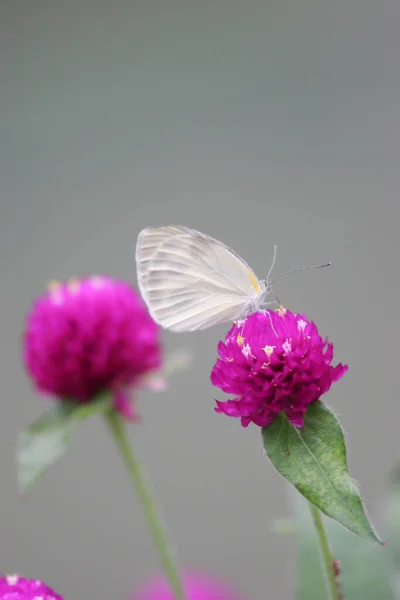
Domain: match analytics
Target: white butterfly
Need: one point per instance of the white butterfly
(191, 281)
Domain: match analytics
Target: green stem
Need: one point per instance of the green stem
(326, 555)
(154, 522)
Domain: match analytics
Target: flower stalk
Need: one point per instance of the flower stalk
(328, 563)
(160, 540)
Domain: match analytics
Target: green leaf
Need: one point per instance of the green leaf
(363, 567)
(392, 514)
(46, 440)
(313, 459)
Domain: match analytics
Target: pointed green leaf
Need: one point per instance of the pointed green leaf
(313, 459)
(42, 444)
(46, 440)
(363, 567)
(392, 519)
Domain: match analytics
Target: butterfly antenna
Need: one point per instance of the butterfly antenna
(328, 264)
(273, 262)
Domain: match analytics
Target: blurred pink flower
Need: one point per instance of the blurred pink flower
(273, 362)
(13, 587)
(197, 585)
(88, 336)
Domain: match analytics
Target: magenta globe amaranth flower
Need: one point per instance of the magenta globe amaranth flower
(13, 587)
(87, 336)
(273, 362)
(197, 586)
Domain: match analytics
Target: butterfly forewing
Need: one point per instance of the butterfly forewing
(191, 281)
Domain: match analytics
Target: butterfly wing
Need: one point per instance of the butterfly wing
(191, 281)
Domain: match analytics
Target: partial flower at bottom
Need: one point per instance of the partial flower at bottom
(197, 586)
(13, 587)
(275, 361)
(88, 336)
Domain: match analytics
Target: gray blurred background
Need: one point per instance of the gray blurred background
(257, 123)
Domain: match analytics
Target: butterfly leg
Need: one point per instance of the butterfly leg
(265, 310)
(269, 303)
(276, 297)
(272, 325)
(241, 322)
(246, 314)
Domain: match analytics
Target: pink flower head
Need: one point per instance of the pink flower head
(197, 586)
(273, 362)
(13, 587)
(85, 337)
